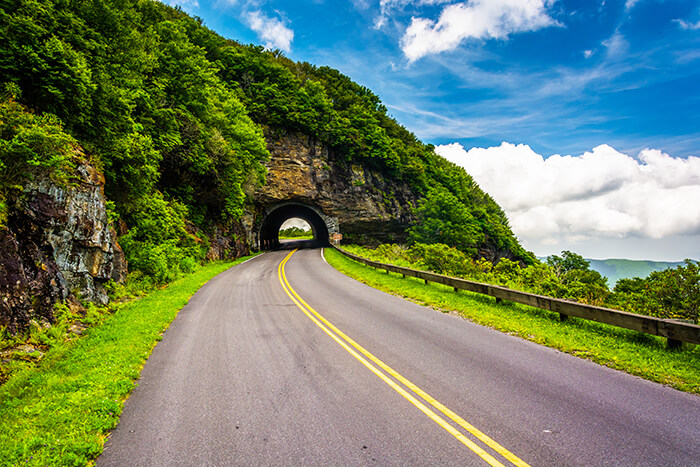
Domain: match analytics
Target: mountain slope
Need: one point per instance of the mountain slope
(616, 269)
(175, 115)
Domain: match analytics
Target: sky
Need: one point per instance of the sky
(581, 118)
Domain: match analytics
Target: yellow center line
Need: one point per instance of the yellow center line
(344, 340)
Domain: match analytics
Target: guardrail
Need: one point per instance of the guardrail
(675, 331)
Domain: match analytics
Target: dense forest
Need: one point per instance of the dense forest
(174, 115)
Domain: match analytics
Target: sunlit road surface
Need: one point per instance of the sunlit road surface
(284, 361)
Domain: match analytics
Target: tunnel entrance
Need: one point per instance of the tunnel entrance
(269, 230)
(295, 229)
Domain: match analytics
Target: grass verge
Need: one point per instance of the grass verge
(633, 352)
(59, 412)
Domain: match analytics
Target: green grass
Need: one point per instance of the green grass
(301, 237)
(60, 411)
(633, 352)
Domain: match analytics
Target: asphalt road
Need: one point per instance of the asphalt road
(245, 376)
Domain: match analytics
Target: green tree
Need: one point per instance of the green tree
(578, 280)
(442, 218)
(629, 295)
(568, 261)
(674, 293)
(671, 293)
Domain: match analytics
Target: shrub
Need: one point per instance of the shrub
(393, 252)
(674, 293)
(507, 270)
(441, 258)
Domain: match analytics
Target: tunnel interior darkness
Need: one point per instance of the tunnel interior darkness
(269, 231)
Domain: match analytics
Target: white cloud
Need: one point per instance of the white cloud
(387, 6)
(271, 30)
(597, 196)
(616, 45)
(686, 25)
(474, 19)
(295, 222)
(361, 4)
(629, 4)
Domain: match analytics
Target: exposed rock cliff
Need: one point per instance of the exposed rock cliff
(58, 244)
(227, 243)
(368, 207)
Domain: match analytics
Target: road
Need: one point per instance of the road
(281, 364)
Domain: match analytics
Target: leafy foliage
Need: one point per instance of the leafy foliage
(671, 293)
(174, 114)
(133, 84)
(577, 277)
(443, 219)
(30, 145)
(295, 232)
(567, 262)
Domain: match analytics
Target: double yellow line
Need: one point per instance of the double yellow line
(411, 392)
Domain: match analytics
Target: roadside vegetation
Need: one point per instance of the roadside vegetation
(295, 233)
(59, 409)
(672, 293)
(633, 352)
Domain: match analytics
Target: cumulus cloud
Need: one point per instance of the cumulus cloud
(602, 194)
(474, 19)
(271, 30)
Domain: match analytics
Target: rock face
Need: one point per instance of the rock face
(227, 243)
(368, 207)
(58, 244)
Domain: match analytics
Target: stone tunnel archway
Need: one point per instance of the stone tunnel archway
(322, 225)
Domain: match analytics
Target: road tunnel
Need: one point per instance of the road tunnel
(269, 230)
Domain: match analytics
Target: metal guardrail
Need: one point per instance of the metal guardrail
(675, 331)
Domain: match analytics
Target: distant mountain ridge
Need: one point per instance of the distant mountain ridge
(616, 269)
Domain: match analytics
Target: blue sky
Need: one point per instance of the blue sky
(611, 79)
